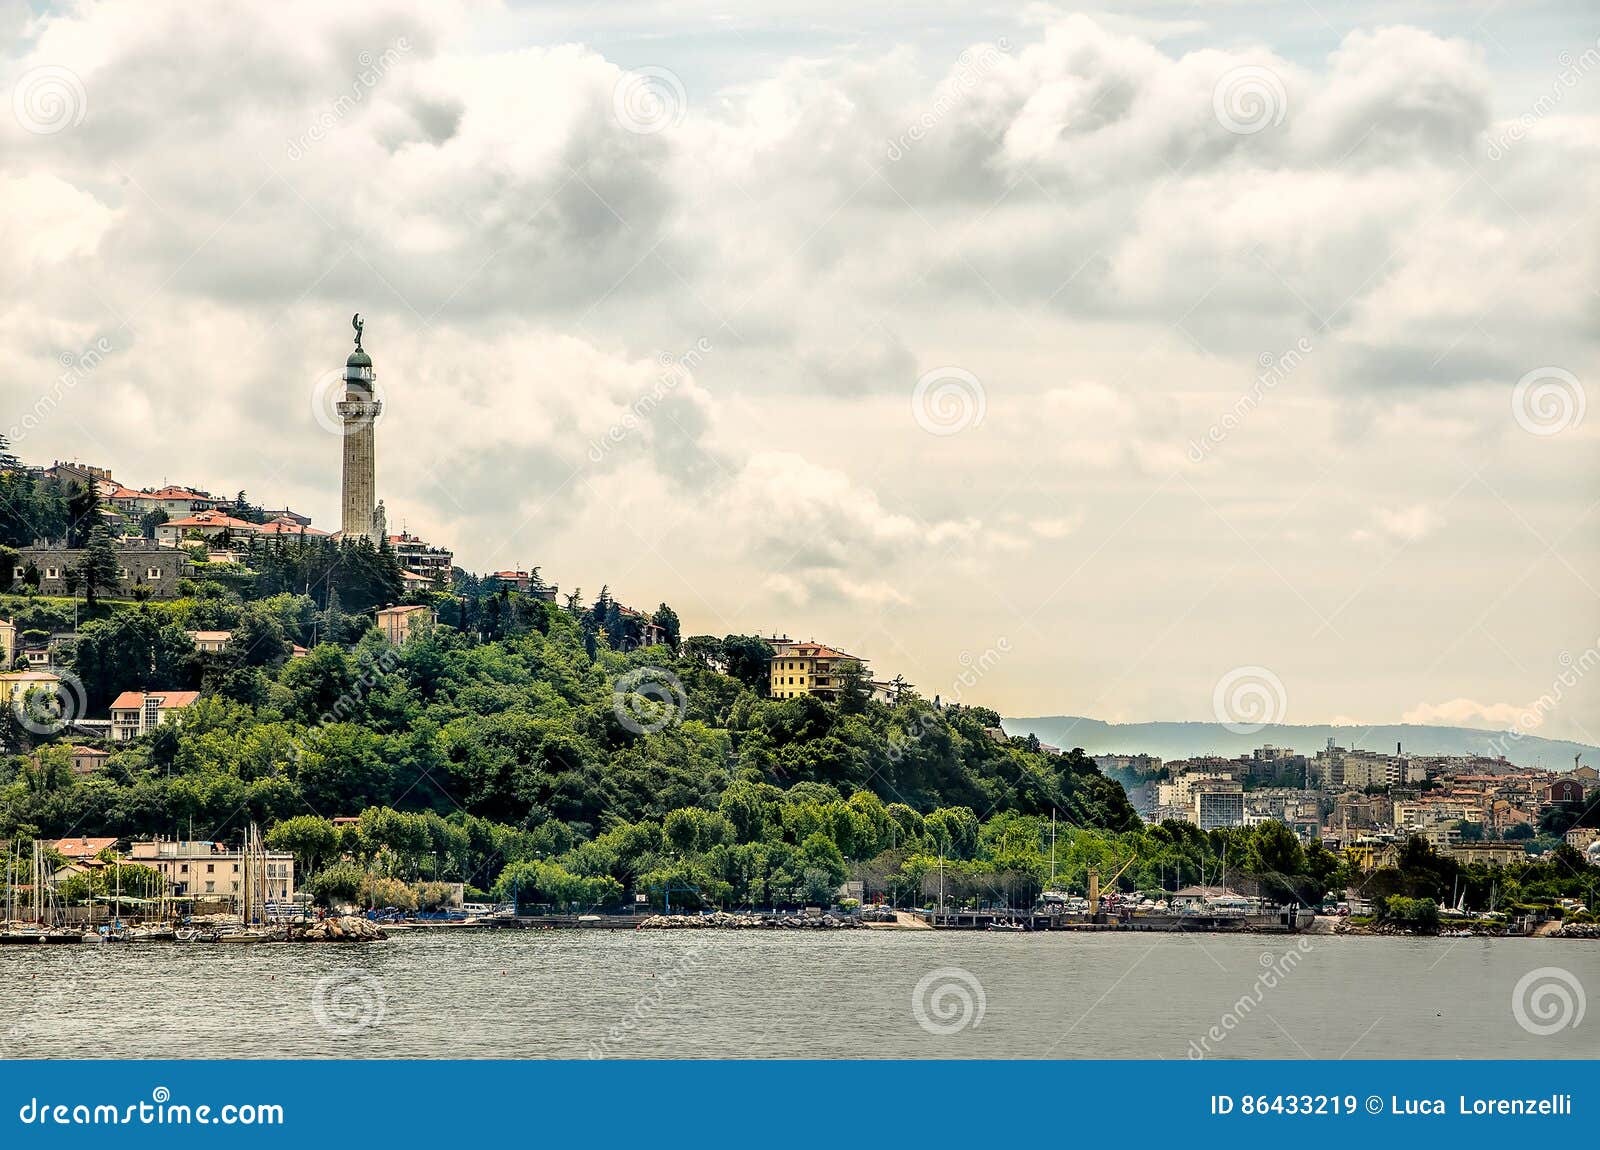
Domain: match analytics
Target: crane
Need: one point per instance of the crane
(1094, 883)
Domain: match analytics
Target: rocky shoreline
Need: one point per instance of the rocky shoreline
(342, 928)
(1578, 930)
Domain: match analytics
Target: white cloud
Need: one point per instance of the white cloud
(1469, 713)
(1074, 227)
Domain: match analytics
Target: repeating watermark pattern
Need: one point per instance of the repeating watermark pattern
(328, 392)
(1548, 1000)
(649, 100)
(373, 69)
(973, 669)
(1533, 715)
(49, 99)
(1573, 70)
(49, 708)
(1548, 401)
(971, 67)
(649, 699)
(349, 1002)
(663, 986)
(1273, 370)
(948, 1000)
(675, 371)
(1275, 968)
(78, 367)
(344, 707)
(1246, 699)
(948, 400)
(1249, 99)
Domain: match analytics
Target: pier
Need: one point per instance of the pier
(1285, 919)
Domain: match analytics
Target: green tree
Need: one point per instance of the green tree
(310, 838)
(99, 568)
(667, 619)
(83, 513)
(748, 658)
(855, 686)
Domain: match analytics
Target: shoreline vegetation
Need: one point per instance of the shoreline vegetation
(522, 750)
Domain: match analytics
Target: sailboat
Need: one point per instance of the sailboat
(253, 889)
(115, 930)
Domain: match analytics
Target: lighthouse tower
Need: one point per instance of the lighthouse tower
(358, 412)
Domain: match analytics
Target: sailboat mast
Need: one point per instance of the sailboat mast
(1052, 848)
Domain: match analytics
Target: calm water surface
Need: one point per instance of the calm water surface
(571, 994)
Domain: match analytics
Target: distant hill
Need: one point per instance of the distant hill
(1185, 740)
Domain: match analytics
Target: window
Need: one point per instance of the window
(18, 572)
(122, 572)
(52, 573)
(210, 887)
(211, 868)
(152, 573)
(183, 869)
(235, 868)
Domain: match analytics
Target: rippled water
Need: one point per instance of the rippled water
(549, 994)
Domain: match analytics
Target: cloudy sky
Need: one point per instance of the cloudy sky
(1147, 365)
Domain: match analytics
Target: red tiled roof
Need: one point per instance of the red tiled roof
(213, 519)
(287, 526)
(133, 700)
(812, 651)
(82, 848)
(91, 751)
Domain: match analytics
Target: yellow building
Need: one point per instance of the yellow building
(807, 669)
(396, 622)
(211, 870)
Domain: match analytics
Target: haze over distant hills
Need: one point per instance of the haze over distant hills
(1185, 740)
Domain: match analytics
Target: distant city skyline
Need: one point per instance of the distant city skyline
(1178, 364)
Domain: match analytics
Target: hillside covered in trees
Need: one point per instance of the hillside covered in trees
(539, 760)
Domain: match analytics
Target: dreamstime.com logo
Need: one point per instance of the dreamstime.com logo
(1247, 699)
(649, 100)
(948, 1000)
(1548, 1000)
(1274, 969)
(78, 367)
(663, 989)
(948, 400)
(49, 99)
(158, 1110)
(649, 699)
(328, 392)
(1548, 401)
(47, 709)
(349, 1002)
(1249, 99)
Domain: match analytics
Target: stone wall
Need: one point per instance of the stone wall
(168, 565)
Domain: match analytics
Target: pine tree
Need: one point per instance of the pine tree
(99, 568)
(83, 514)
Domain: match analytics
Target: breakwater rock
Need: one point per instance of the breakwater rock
(1578, 930)
(348, 928)
(727, 921)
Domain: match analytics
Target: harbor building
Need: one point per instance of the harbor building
(201, 869)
